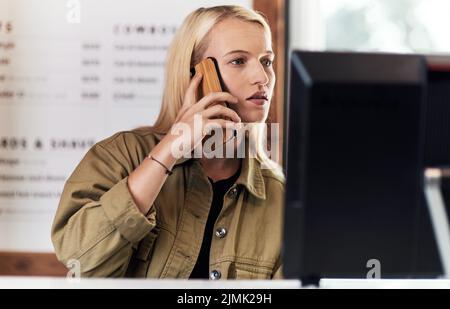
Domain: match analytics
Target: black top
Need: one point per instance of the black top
(220, 188)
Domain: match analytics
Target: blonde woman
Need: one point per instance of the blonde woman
(134, 209)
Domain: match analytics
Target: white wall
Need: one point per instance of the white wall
(307, 29)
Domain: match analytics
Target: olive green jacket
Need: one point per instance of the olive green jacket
(98, 224)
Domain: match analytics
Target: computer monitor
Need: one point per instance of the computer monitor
(437, 153)
(437, 137)
(354, 186)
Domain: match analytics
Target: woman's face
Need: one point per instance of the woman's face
(244, 53)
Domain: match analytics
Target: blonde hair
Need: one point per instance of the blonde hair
(187, 49)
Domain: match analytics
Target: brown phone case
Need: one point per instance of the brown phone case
(211, 80)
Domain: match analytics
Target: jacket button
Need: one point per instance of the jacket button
(215, 275)
(233, 193)
(221, 232)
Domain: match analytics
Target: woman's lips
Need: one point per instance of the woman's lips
(259, 102)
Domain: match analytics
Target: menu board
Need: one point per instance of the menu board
(72, 72)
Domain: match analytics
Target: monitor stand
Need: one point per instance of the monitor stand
(438, 214)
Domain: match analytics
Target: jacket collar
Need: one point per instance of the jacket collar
(251, 177)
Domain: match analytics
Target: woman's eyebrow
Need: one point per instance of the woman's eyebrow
(244, 52)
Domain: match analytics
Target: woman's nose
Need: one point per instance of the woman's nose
(259, 75)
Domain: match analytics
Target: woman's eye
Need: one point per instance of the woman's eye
(267, 62)
(239, 61)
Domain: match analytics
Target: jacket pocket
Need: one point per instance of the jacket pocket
(142, 257)
(252, 273)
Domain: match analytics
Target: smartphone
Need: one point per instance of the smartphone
(211, 81)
